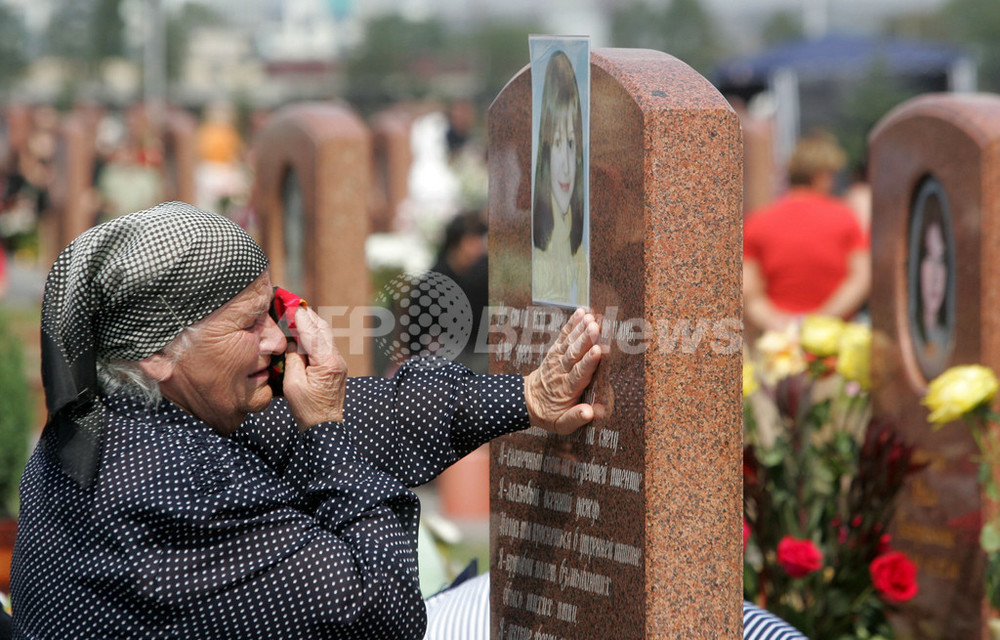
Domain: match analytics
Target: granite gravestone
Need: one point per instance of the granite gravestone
(71, 192)
(935, 163)
(629, 528)
(180, 155)
(313, 164)
(760, 173)
(17, 121)
(391, 164)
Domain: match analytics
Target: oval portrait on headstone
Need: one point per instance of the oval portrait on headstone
(930, 276)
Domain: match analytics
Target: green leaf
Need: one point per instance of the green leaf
(992, 492)
(989, 537)
(823, 480)
(770, 457)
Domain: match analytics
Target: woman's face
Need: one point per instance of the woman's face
(933, 271)
(222, 375)
(562, 158)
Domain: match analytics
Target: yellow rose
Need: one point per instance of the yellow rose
(958, 391)
(780, 355)
(750, 383)
(854, 354)
(819, 335)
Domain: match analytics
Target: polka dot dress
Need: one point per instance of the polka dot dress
(267, 534)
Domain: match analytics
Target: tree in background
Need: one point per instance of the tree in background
(401, 59)
(972, 25)
(975, 24)
(874, 96)
(179, 26)
(684, 29)
(107, 30)
(920, 25)
(13, 42)
(501, 51)
(68, 32)
(780, 27)
(86, 32)
(387, 65)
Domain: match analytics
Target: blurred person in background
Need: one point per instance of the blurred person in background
(29, 170)
(805, 253)
(467, 154)
(463, 258)
(221, 180)
(131, 177)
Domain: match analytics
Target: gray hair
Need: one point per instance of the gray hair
(126, 377)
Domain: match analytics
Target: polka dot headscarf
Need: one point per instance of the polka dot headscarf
(123, 290)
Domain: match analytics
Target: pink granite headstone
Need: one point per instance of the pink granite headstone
(760, 173)
(391, 160)
(313, 165)
(935, 167)
(180, 155)
(71, 191)
(17, 125)
(629, 528)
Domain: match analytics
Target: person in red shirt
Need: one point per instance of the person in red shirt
(805, 253)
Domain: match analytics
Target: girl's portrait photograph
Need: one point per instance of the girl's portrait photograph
(560, 105)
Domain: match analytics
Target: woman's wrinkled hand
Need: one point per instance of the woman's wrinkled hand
(315, 373)
(552, 391)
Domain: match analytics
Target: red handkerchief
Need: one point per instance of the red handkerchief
(283, 312)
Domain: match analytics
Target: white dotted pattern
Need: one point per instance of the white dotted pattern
(435, 317)
(268, 534)
(127, 287)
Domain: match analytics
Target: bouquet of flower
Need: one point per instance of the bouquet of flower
(966, 393)
(820, 478)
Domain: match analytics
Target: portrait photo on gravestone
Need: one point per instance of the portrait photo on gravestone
(931, 278)
(560, 108)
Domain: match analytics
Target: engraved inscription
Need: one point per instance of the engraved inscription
(552, 549)
(558, 501)
(566, 612)
(626, 479)
(587, 508)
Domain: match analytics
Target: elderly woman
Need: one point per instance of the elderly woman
(170, 495)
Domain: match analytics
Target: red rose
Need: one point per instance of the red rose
(798, 557)
(894, 576)
(746, 533)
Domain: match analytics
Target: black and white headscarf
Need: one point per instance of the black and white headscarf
(122, 291)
